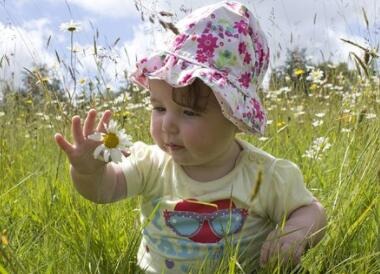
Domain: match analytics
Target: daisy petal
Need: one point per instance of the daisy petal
(115, 155)
(98, 150)
(112, 127)
(96, 136)
(106, 155)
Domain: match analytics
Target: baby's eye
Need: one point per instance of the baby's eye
(190, 113)
(159, 109)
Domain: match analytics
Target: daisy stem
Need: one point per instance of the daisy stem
(72, 63)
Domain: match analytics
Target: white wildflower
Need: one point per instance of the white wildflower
(75, 48)
(70, 26)
(114, 140)
(370, 116)
(317, 123)
(263, 139)
(299, 113)
(315, 76)
(320, 114)
(124, 96)
(298, 110)
(284, 90)
(317, 148)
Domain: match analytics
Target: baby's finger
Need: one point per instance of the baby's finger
(274, 251)
(63, 144)
(106, 117)
(126, 153)
(285, 252)
(89, 123)
(77, 131)
(264, 252)
(298, 254)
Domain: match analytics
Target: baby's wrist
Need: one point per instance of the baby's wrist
(78, 172)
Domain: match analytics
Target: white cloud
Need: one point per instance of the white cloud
(280, 20)
(23, 46)
(110, 8)
(314, 25)
(147, 39)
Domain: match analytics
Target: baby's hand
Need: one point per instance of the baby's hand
(80, 153)
(287, 244)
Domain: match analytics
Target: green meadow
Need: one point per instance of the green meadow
(324, 117)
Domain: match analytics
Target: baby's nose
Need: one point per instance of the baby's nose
(170, 123)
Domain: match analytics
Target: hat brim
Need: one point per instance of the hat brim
(243, 111)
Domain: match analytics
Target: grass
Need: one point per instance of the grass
(47, 227)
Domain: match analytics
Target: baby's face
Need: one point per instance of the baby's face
(190, 137)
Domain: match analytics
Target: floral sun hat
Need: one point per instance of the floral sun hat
(223, 45)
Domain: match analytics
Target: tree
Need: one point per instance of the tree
(41, 86)
(293, 72)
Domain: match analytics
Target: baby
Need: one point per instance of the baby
(204, 192)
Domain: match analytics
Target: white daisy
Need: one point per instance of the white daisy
(114, 140)
(70, 26)
(315, 76)
(320, 114)
(263, 139)
(317, 123)
(317, 148)
(370, 116)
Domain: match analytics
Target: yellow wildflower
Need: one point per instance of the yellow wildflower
(4, 238)
(298, 72)
(313, 87)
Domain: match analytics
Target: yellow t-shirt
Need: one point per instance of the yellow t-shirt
(188, 223)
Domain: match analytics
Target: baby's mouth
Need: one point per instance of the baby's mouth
(172, 146)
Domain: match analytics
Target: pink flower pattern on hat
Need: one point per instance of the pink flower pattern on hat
(224, 46)
(242, 27)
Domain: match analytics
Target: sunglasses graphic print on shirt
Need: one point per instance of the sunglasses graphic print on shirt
(205, 222)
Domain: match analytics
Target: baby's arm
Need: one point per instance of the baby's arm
(304, 228)
(94, 179)
(104, 186)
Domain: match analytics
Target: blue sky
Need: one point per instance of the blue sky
(26, 25)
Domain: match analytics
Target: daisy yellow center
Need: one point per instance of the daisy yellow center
(110, 140)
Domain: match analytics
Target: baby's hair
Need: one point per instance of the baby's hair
(194, 96)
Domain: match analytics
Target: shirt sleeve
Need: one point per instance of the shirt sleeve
(140, 169)
(285, 190)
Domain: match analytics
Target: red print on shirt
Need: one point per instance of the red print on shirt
(205, 222)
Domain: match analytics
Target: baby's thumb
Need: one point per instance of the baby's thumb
(62, 143)
(126, 153)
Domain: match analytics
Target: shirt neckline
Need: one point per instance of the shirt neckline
(220, 181)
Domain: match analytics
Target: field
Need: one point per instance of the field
(47, 227)
(324, 117)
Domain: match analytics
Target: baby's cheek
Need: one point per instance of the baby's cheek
(196, 141)
(155, 129)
